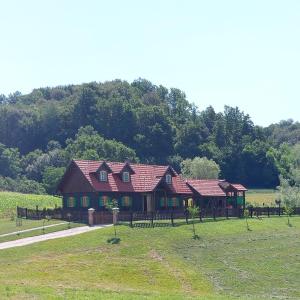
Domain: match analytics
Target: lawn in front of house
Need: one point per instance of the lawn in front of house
(35, 228)
(10, 225)
(226, 262)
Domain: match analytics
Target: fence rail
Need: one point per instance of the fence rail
(102, 217)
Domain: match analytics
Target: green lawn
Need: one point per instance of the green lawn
(36, 232)
(7, 225)
(259, 197)
(226, 262)
(9, 201)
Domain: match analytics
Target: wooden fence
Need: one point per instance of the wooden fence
(105, 217)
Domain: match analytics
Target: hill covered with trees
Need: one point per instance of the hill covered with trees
(40, 133)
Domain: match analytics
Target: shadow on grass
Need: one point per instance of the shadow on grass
(114, 240)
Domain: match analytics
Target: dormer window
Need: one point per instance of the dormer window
(125, 176)
(103, 176)
(168, 179)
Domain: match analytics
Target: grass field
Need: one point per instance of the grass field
(8, 226)
(226, 262)
(261, 197)
(9, 201)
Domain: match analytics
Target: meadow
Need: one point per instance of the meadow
(226, 262)
(261, 197)
(9, 201)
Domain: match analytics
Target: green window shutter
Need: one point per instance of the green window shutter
(170, 202)
(240, 200)
(163, 202)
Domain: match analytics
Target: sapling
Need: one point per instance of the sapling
(47, 218)
(246, 216)
(113, 207)
(193, 212)
(289, 210)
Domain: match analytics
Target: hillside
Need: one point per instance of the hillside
(40, 133)
(226, 262)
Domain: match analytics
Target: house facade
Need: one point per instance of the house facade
(140, 187)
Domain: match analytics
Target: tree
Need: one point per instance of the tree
(88, 144)
(10, 164)
(200, 168)
(51, 177)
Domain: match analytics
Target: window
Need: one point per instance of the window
(168, 178)
(84, 201)
(103, 176)
(103, 201)
(126, 201)
(126, 177)
(71, 202)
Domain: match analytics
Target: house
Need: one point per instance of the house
(140, 187)
(210, 193)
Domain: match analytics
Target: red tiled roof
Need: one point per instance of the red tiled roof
(238, 187)
(207, 187)
(144, 179)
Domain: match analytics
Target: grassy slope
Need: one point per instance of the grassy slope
(36, 232)
(9, 201)
(261, 196)
(162, 263)
(7, 226)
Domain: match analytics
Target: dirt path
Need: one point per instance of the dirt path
(49, 236)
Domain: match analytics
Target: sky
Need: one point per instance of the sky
(238, 53)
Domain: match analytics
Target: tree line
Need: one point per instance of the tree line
(40, 132)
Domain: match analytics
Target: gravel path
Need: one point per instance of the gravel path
(49, 236)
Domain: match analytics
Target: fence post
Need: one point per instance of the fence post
(131, 218)
(152, 216)
(279, 209)
(268, 211)
(172, 219)
(214, 213)
(91, 220)
(186, 217)
(200, 215)
(37, 212)
(227, 214)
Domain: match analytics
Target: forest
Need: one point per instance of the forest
(116, 120)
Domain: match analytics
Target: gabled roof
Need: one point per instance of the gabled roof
(105, 165)
(145, 178)
(207, 187)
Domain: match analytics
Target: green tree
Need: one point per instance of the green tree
(51, 177)
(200, 168)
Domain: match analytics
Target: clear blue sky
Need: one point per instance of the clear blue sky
(241, 53)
